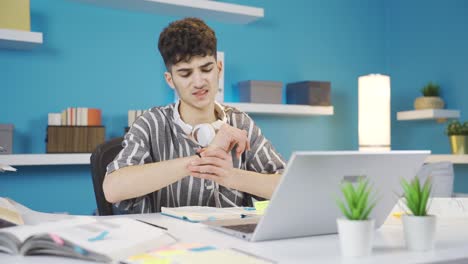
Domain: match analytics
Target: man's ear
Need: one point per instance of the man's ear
(168, 77)
(220, 66)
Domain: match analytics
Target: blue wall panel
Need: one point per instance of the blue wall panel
(428, 42)
(101, 57)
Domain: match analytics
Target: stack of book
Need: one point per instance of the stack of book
(76, 116)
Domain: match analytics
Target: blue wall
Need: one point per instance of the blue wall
(106, 58)
(428, 41)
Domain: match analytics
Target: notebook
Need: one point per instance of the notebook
(197, 214)
(87, 238)
(303, 204)
(195, 253)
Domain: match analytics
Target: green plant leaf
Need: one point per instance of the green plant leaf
(362, 203)
(417, 196)
(343, 209)
(346, 193)
(353, 194)
(426, 190)
(356, 200)
(366, 213)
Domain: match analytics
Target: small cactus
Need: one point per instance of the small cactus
(431, 89)
(456, 128)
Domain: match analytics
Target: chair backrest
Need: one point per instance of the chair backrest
(101, 157)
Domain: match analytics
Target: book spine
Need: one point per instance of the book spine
(54, 119)
(131, 117)
(94, 117)
(85, 117)
(63, 119)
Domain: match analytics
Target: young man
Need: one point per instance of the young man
(196, 151)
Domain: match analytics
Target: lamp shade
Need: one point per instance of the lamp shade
(374, 112)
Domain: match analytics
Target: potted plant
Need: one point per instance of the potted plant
(458, 136)
(418, 227)
(356, 230)
(430, 99)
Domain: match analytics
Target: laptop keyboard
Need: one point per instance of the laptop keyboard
(245, 228)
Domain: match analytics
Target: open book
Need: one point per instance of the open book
(205, 213)
(96, 239)
(9, 216)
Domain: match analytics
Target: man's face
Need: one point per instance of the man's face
(196, 81)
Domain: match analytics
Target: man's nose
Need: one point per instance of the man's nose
(198, 81)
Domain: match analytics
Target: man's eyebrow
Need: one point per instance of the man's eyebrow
(206, 64)
(189, 69)
(183, 70)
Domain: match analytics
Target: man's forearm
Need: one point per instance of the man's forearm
(138, 180)
(255, 183)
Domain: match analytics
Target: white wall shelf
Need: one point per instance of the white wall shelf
(19, 39)
(45, 159)
(282, 109)
(428, 114)
(455, 159)
(206, 9)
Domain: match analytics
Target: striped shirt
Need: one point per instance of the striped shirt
(155, 136)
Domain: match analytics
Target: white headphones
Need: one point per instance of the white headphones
(204, 133)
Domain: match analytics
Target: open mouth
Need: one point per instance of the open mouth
(200, 93)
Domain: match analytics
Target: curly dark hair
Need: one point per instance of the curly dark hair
(185, 38)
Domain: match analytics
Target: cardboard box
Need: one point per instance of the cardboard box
(6, 138)
(263, 92)
(15, 14)
(74, 139)
(308, 93)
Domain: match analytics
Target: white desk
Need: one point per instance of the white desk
(451, 245)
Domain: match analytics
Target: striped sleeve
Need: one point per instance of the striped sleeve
(262, 157)
(136, 148)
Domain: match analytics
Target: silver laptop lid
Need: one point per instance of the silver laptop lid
(304, 203)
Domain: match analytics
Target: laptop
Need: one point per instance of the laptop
(304, 203)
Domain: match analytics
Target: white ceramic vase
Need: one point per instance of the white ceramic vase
(419, 232)
(356, 237)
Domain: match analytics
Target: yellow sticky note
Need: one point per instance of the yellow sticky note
(141, 257)
(397, 214)
(260, 206)
(149, 259)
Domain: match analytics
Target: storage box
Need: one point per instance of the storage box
(15, 14)
(6, 138)
(264, 92)
(308, 93)
(74, 139)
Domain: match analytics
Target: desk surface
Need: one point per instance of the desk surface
(451, 245)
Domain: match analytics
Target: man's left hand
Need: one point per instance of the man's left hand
(215, 164)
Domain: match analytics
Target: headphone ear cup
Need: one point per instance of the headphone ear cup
(218, 123)
(203, 134)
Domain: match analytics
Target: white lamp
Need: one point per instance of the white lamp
(374, 112)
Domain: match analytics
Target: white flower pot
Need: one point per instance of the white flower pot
(356, 237)
(419, 232)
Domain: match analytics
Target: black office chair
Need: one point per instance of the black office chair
(101, 157)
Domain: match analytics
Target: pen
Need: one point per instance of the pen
(158, 226)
